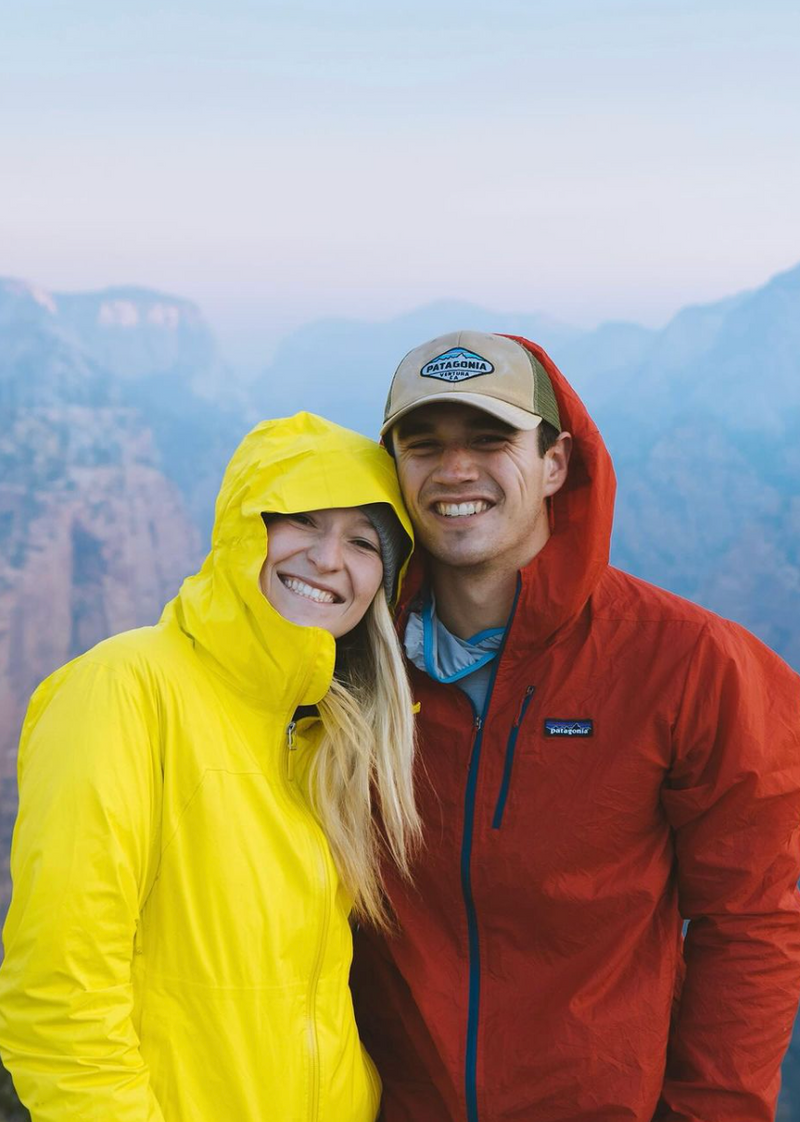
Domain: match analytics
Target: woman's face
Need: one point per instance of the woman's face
(323, 567)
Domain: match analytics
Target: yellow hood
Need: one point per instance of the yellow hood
(296, 463)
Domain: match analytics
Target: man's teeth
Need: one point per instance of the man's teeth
(459, 510)
(303, 589)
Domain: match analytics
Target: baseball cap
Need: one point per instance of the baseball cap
(489, 372)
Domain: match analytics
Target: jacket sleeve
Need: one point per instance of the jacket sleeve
(733, 801)
(84, 848)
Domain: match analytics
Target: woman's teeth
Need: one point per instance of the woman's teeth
(460, 510)
(302, 589)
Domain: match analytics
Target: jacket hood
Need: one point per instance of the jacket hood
(283, 466)
(558, 582)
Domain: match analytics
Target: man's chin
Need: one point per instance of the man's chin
(460, 555)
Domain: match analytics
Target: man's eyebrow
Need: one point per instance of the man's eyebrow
(494, 424)
(414, 427)
(420, 427)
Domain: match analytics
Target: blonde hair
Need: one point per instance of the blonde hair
(361, 781)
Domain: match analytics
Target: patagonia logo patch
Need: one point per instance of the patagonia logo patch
(569, 728)
(456, 365)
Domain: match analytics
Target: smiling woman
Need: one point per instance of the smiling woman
(196, 819)
(323, 567)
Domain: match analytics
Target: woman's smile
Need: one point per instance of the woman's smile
(310, 591)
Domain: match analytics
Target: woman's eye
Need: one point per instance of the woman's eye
(365, 543)
(301, 519)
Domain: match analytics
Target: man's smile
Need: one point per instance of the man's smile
(466, 509)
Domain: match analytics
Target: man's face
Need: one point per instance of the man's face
(474, 487)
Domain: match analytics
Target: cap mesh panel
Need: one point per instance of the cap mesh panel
(544, 399)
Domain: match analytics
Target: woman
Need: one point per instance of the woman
(192, 835)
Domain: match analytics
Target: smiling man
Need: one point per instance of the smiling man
(476, 487)
(600, 761)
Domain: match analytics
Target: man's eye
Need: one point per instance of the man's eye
(301, 519)
(490, 438)
(421, 446)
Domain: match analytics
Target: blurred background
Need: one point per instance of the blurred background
(213, 214)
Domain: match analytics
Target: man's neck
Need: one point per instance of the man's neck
(470, 599)
(473, 600)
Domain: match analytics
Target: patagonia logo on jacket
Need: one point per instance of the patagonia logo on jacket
(569, 728)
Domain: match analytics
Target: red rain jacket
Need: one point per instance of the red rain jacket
(637, 764)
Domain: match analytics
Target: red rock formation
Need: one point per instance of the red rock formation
(94, 540)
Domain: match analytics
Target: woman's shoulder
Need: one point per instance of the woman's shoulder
(137, 662)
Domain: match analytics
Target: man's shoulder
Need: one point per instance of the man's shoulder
(622, 597)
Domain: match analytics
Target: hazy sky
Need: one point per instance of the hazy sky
(588, 158)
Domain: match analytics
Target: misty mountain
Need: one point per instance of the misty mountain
(125, 335)
(134, 348)
(736, 361)
(39, 360)
(341, 368)
(135, 333)
(703, 431)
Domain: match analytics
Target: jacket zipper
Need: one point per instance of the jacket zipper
(291, 744)
(313, 1038)
(473, 1009)
(510, 749)
(471, 1057)
(324, 881)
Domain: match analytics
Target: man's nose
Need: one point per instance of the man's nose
(456, 465)
(326, 553)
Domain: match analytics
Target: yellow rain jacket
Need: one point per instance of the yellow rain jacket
(178, 946)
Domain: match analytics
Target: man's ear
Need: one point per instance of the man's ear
(556, 464)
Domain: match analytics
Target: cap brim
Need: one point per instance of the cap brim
(511, 414)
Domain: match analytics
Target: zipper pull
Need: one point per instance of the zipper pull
(478, 724)
(524, 704)
(291, 744)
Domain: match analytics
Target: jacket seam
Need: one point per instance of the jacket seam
(166, 844)
(685, 689)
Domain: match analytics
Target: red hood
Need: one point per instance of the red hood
(561, 578)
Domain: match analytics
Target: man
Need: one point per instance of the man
(600, 761)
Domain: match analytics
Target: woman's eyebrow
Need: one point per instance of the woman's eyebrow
(363, 523)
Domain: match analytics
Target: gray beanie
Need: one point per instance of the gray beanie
(395, 544)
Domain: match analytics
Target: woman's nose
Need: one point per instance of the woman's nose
(326, 553)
